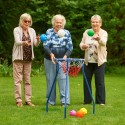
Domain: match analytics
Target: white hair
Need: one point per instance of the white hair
(97, 16)
(59, 16)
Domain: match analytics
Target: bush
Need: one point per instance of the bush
(115, 69)
(5, 70)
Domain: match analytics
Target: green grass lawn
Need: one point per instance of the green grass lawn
(112, 113)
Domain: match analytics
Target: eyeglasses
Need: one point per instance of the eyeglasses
(27, 21)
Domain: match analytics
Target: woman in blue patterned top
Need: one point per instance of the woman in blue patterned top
(57, 47)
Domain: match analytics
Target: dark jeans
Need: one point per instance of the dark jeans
(98, 71)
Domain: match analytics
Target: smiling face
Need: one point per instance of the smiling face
(58, 24)
(25, 21)
(96, 24)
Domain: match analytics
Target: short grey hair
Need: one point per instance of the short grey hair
(23, 17)
(59, 16)
(97, 16)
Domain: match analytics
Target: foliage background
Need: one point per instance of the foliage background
(77, 13)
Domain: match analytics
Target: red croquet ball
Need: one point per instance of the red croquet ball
(79, 114)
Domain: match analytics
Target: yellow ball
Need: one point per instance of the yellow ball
(84, 110)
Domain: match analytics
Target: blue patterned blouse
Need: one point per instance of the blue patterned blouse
(56, 45)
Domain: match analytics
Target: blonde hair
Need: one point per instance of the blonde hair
(97, 16)
(59, 16)
(23, 17)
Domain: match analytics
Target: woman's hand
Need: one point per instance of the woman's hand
(96, 37)
(52, 58)
(85, 46)
(65, 57)
(38, 37)
(26, 43)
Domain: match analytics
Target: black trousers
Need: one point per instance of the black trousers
(98, 71)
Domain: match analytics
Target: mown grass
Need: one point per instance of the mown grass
(112, 113)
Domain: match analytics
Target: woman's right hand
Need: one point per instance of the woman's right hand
(26, 43)
(85, 46)
(52, 58)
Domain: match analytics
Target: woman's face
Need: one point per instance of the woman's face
(58, 25)
(26, 23)
(96, 24)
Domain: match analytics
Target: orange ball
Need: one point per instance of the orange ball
(79, 114)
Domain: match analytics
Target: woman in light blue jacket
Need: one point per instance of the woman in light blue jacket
(57, 47)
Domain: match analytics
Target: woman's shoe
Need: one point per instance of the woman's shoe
(30, 104)
(102, 104)
(63, 104)
(19, 104)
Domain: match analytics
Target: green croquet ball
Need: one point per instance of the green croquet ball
(90, 32)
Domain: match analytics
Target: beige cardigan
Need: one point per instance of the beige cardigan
(102, 52)
(17, 53)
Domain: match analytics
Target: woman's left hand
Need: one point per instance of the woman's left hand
(65, 57)
(96, 37)
(38, 37)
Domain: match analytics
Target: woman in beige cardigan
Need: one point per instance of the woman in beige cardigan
(95, 60)
(22, 56)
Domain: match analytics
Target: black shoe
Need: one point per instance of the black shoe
(85, 103)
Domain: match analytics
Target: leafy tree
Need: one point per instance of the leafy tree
(77, 13)
(9, 13)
